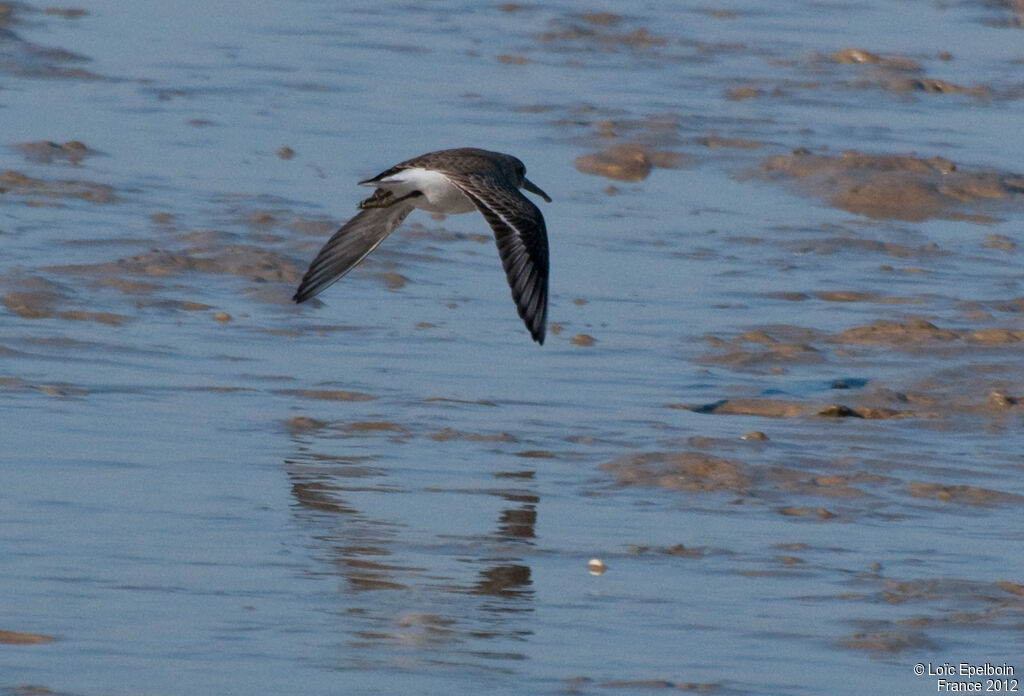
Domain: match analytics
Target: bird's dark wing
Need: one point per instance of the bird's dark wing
(522, 240)
(350, 245)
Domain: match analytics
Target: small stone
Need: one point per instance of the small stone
(1001, 399)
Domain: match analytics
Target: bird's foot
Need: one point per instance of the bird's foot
(382, 198)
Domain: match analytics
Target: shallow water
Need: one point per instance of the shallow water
(780, 399)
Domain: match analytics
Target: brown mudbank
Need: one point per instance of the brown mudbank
(375, 427)
(895, 333)
(38, 298)
(18, 184)
(446, 434)
(895, 74)
(691, 471)
(28, 306)
(254, 263)
(597, 29)
(765, 408)
(329, 394)
(66, 12)
(601, 19)
(915, 332)
(820, 513)
(964, 495)
(739, 93)
(714, 141)
(981, 386)
(678, 550)
(701, 472)
(393, 281)
(509, 59)
(778, 408)
(304, 424)
(899, 187)
(627, 162)
(17, 638)
(856, 56)
(948, 602)
(46, 151)
(1000, 242)
(759, 348)
(930, 85)
(888, 641)
(756, 348)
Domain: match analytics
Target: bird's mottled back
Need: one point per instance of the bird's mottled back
(469, 160)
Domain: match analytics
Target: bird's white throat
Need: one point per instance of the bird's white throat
(439, 194)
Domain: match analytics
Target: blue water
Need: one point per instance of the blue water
(182, 514)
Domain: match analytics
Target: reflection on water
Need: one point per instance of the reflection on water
(367, 553)
(780, 398)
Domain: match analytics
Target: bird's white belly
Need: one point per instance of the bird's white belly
(439, 194)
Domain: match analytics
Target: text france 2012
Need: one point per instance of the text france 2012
(962, 677)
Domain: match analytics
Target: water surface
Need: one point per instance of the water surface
(779, 399)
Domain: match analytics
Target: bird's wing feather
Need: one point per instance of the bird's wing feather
(522, 240)
(350, 245)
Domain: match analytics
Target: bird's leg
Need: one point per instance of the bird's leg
(382, 198)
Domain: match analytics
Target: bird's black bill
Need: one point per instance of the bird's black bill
(533, 188)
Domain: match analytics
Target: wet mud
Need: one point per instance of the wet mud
(701, 472)
(935, 605)
(251, 262)
(37, 191)
(39, 298)
(46, 151)
(898, 187)
(601, 31)
(898, 74)
(19, 638)
(627, 162)
(971, 376)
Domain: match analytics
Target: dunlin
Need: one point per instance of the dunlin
(450, 182)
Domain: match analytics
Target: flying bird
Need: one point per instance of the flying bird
(450, 182)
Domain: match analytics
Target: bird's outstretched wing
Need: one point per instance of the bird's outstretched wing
(350, 245)
(522, 239)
